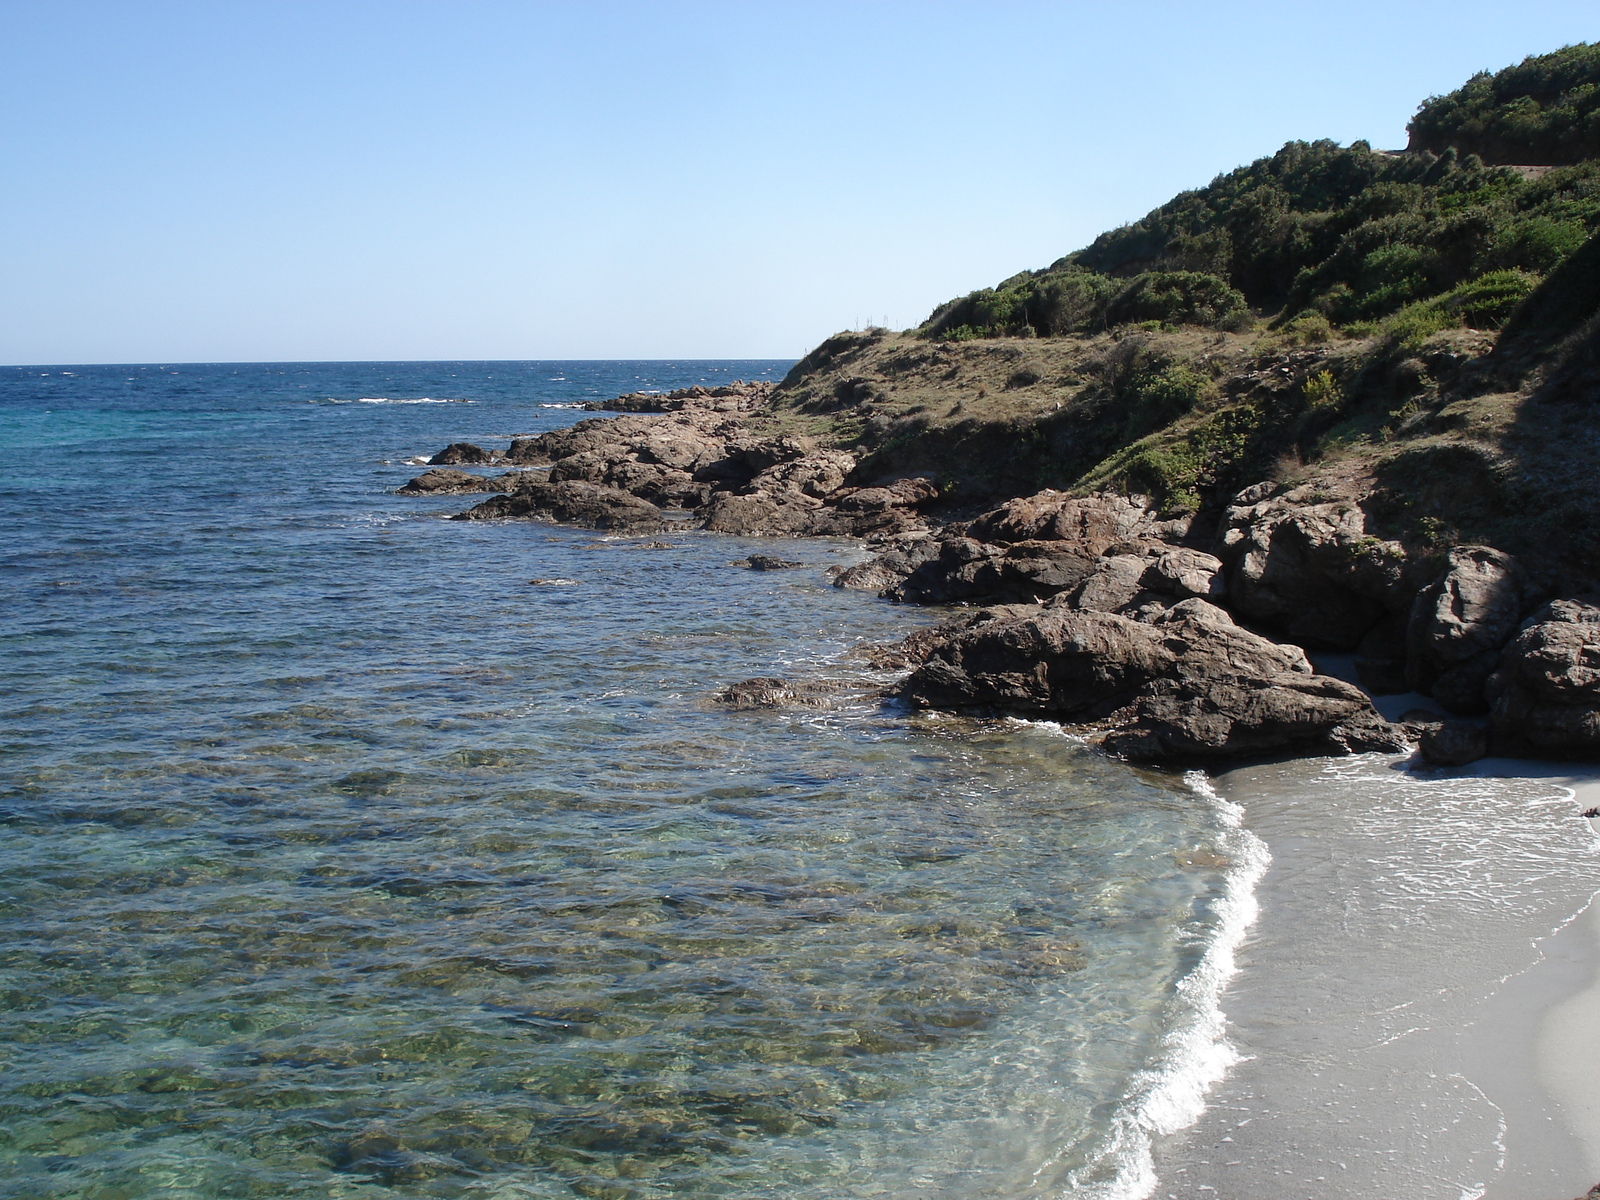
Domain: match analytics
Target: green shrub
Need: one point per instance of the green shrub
(1322, 392)
(1178, 298)
(1546, 109)
(1156, 398)
(1345, 232)
(1482, 303)
(1308, 329)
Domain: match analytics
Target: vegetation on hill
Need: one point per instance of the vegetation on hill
(1417, 331)
(1544, 110)
(1348, 232)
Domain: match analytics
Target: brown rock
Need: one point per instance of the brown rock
(770, 692)
(759, 514)
(889, 568)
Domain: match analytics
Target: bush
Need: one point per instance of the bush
(1179, 298)
(1546, 109)
(1157, 398)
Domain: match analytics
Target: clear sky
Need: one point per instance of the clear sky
(242, 181)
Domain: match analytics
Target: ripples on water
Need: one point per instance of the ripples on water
(341, 860)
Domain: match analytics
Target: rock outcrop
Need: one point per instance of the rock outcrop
(1311, 571)
(1188, 684)
(572, 502)
(1171, 637)
(1026, 551)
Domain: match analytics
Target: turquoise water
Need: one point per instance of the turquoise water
(340, 859)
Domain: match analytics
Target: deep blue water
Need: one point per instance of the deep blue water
(338, 858)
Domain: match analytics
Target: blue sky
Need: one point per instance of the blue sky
(238, 181)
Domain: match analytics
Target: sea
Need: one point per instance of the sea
(350, 851)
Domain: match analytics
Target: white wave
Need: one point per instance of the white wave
(1195, 1054)
(561, 406)
(417, 400)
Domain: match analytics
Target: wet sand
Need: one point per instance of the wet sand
(1418, 1007)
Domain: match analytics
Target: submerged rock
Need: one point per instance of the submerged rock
(769, 692)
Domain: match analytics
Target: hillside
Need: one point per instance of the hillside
(1412, 330)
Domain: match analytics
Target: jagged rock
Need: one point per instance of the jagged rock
(744, 394)
(889, 568)
(1311, 571)
(1459, 624)
(1545, 697)
(1095, 522)
(902, 493)
(759, 514)
(817, 475)
(572, 502)
(458, 454)
(1114, 585)
(1184, 572)
(1188, 684)
(768, 562)
(1035, 547)
(967, 570)
(1133, 578)
(445, 482)
(1453, 743)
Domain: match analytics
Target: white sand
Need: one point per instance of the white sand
(1419, 1005)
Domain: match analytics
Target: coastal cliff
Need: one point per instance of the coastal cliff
(1340, 400)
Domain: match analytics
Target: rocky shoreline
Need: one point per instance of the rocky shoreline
(1164, 638)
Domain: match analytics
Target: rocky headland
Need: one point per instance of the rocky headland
(1339, 402)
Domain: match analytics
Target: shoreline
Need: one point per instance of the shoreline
(1405, 1026)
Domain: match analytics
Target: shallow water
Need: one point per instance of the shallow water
(341, 859)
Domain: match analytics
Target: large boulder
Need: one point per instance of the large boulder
(1188, 684)
(1459, 624)
(1027, 550)
(1545, 696)
(1311, 571)
(572, 502)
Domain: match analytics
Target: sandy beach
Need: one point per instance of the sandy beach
(1416, 1007)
